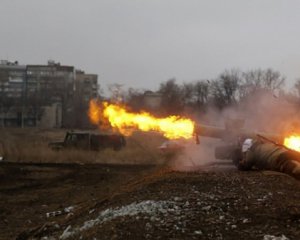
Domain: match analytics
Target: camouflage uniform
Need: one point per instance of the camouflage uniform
(269, 156)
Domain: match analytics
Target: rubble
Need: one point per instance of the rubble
(146, 207)
(272, 237)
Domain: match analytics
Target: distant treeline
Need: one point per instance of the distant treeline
(229, 89)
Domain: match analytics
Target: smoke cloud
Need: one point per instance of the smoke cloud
(262, 112)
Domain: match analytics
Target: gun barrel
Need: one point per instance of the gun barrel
(230, 134)
(209, 131)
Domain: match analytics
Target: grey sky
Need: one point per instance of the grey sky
(141, 43)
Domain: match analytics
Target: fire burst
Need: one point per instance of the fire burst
(172, 127)
(292, 142)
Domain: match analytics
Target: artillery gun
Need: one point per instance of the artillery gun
(232, 137)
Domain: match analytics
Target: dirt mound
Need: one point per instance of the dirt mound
(193, 205)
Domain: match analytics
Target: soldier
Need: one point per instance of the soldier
(268, 156)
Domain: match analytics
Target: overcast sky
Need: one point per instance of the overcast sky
(140, 43)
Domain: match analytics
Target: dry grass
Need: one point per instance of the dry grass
(31, 145)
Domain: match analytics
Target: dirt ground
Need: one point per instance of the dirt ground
(29, 191)
(135, 194)
(145, 202)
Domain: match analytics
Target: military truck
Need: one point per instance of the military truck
(89, 141)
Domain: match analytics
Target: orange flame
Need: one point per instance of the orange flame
(94, 112)
(292, 142)
(172, 127)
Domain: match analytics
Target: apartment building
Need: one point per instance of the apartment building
(44, 95)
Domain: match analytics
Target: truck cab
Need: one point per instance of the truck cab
(89, 141)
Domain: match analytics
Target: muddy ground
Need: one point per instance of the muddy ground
(145, 202)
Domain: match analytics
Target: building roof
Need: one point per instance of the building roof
(58, 67)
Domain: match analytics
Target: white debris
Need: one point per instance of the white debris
(146, 207)
(47, 238)
(91, 211)
(57, 213)
(177, 199)
(53, 214)
(148, 226)
(199, 232)
(246, 220)
(69, 209)
(272, 237)
(66, 233)
(207, 208)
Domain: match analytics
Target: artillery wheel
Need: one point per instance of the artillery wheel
(236, 157)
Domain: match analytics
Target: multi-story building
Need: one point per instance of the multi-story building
(86, 85)
(85, 88)
(13, 79)
(12, 89)
(51, 82)
(51, 85)
(43, 95)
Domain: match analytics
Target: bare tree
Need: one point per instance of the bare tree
(187, 90)
(172, 99)
(225, 90)
(135, 99)
(297, 87)
(201, 92)
(273, 80)
(257, 80)
(116, 92)
(254, 78)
